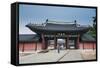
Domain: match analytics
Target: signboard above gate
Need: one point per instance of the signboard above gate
(60, 35)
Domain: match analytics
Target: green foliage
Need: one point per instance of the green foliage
(92, 30)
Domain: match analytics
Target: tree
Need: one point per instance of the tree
(92, 30)
(94, 22)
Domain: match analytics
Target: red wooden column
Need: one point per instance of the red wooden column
(43, 41)
(46, 43)
(93, 45)
(67, 41)
(83, 45)
(78, 41)
(23, 48)
(36, 46)
(55, 42)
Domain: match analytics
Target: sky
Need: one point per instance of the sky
(39, 14)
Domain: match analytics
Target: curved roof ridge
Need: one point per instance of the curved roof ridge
(58, 22)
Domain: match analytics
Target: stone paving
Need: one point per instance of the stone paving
(88, 54)
(52, 56)
(73, 55)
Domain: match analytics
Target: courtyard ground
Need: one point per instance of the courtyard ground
(54, 56)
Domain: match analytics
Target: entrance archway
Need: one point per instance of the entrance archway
(71, 43)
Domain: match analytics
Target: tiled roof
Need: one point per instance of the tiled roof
(54, 26)
(28, 38)
(87, 38)
(35, 38)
